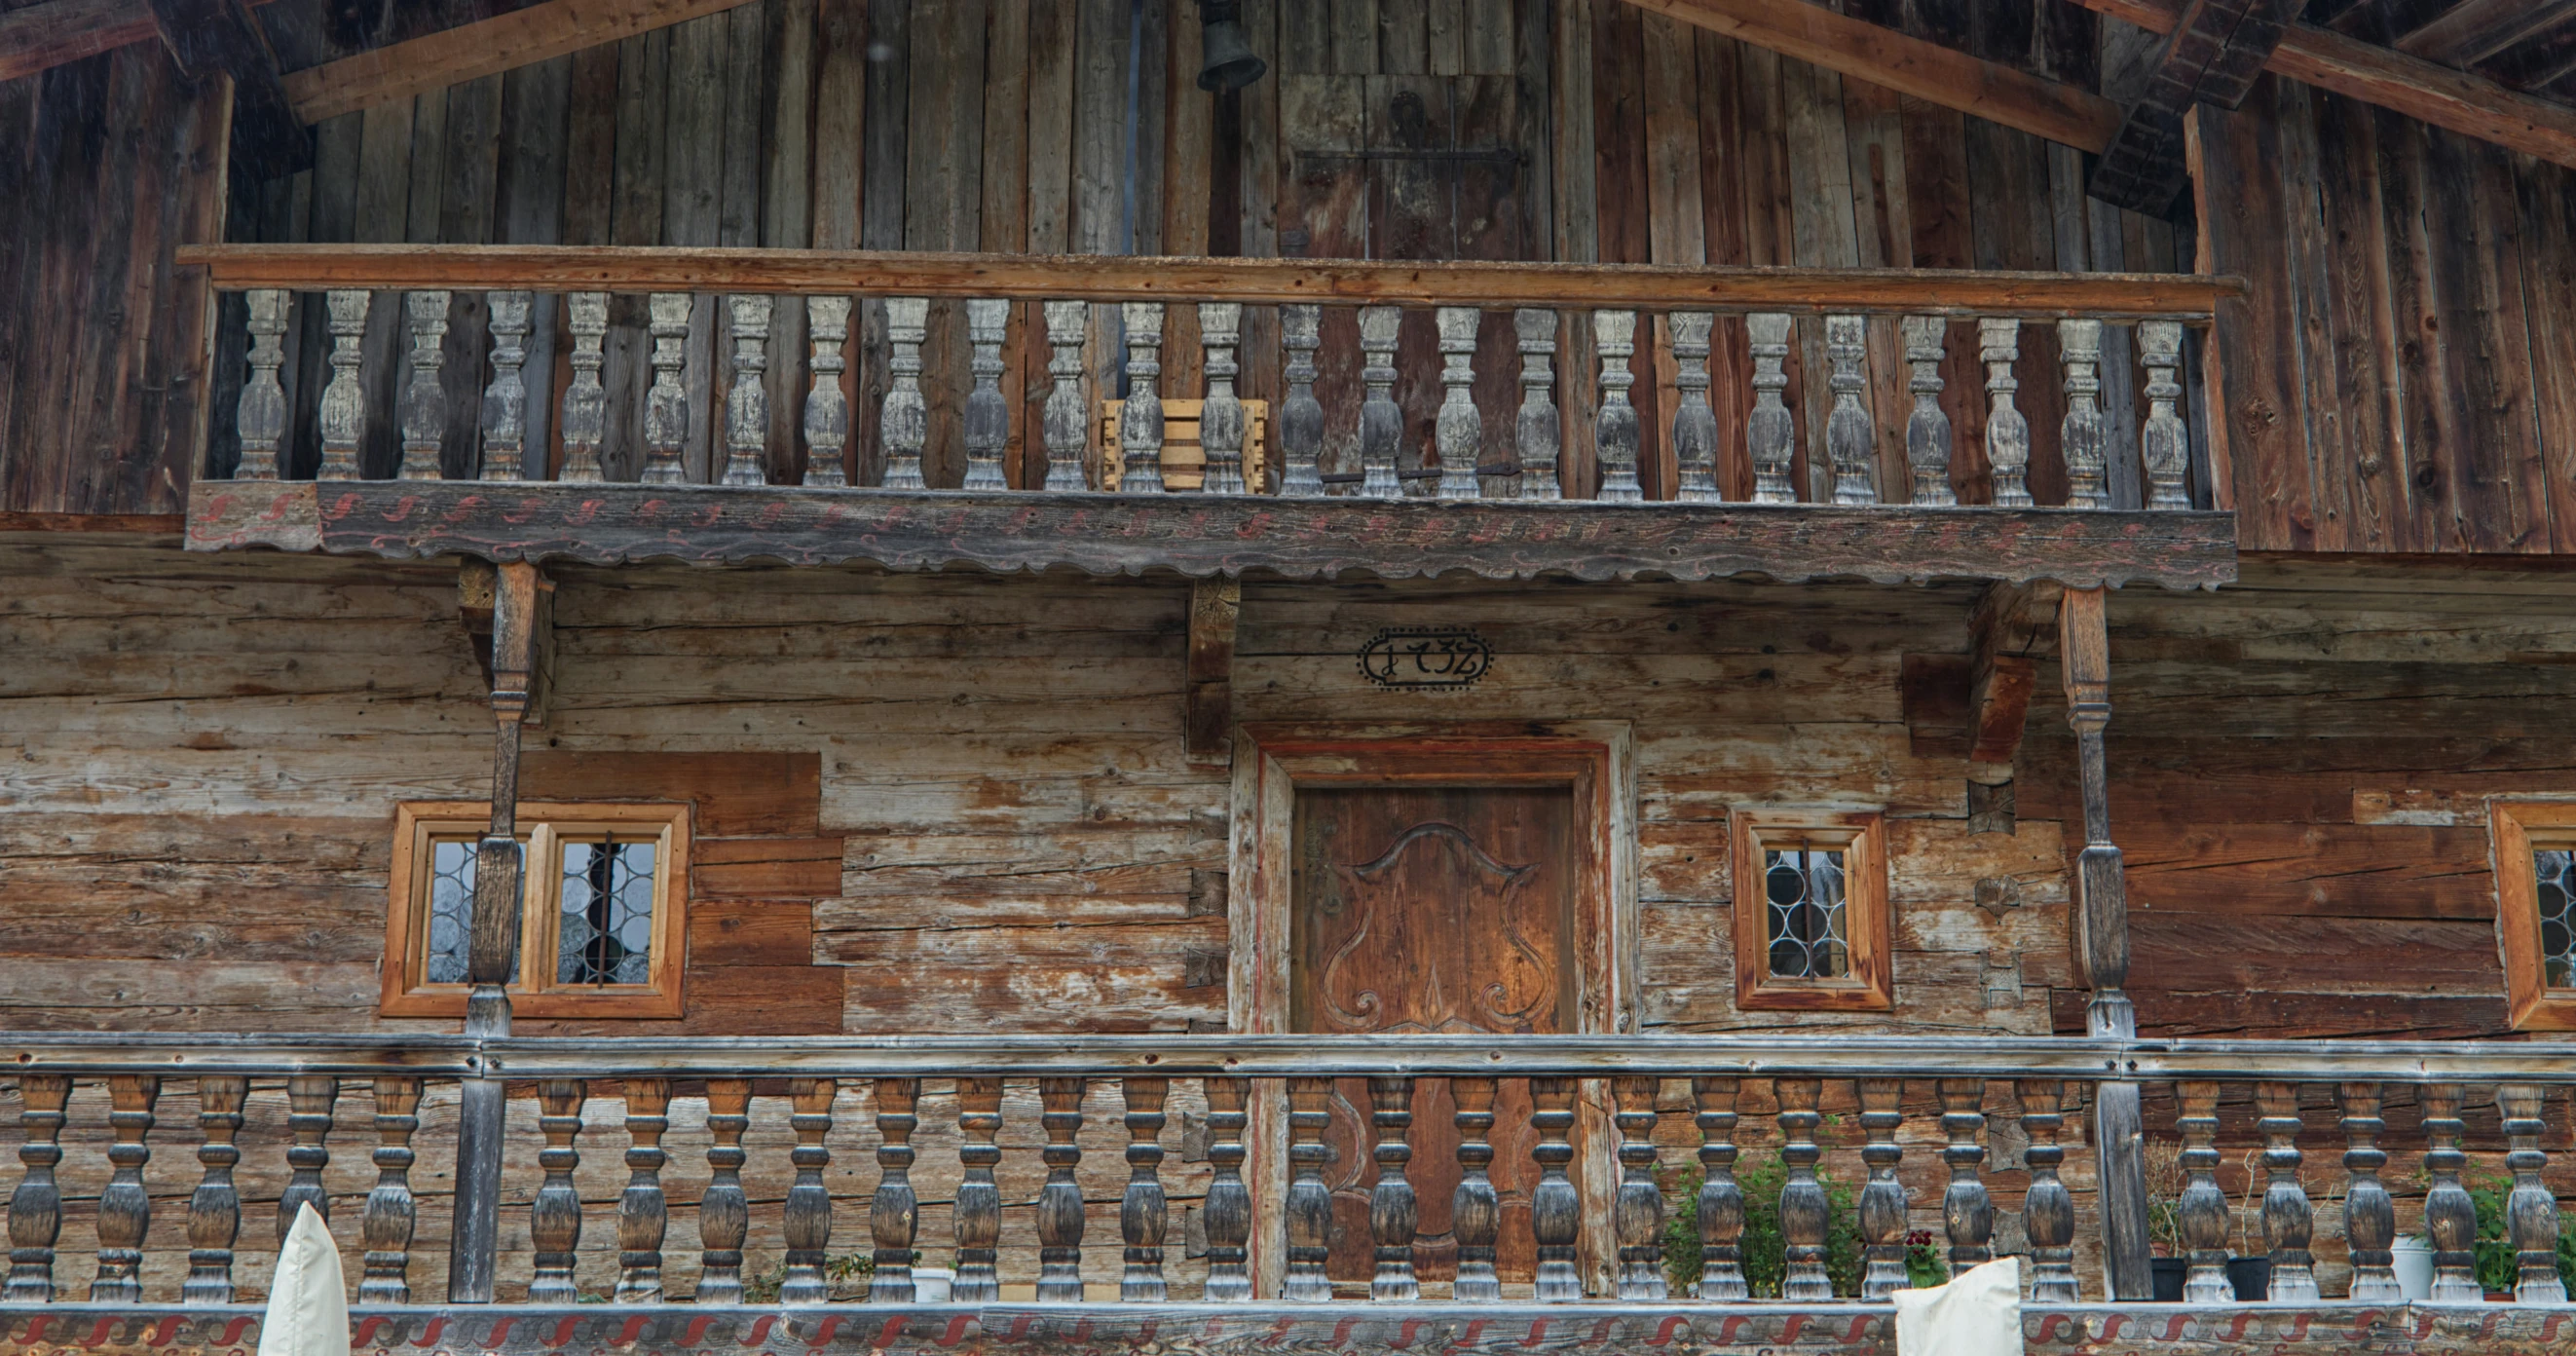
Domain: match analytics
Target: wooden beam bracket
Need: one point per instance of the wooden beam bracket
(1208, 717)
(2012, 625)
(2212, 56)
(209, 38)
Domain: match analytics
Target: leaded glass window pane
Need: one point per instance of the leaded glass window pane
(1804, 889)
(2556, 868)
(451, 907)
(606, 915)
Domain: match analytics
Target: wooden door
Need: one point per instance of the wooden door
(1432, 909)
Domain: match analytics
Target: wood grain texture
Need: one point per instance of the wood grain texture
(519, 38)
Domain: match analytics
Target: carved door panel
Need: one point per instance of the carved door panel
(1432, 909)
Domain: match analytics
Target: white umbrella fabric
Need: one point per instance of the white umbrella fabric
(1977, 1314)
(308, 1303)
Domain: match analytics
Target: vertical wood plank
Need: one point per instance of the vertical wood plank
(1576, 218)
(635, 218)
(536, 105)
(840, 141)
(1621, 189)
(1676, 222)
(692, 211)
(1002, 221)
(886, 127)
(787, 216)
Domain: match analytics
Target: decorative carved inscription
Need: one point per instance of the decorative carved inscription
(1426, 656)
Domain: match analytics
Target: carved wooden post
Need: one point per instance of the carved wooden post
(979, 1201)
(1615, 430)
(1060, 1200)
(1301, 416)
(2007, 433)
(1309, 1207)
(2200, 1217)
(1882, 1200)
(2164, 445)
(904, 424)
(1143, 1217)
(124, 1209)
(1393, 1212)
(1721, 1201)
(1770, 431)
(2450, 1217)
(554, 1217)
(1229, 1204)
(505, 400)
(1556, 1208)
(2048, 1210)
(424, 405)
(2530, 1210)
(387, 1225)
(1805, 1213)
(308, 1117)
(892, 1214)
(1475, 1209)
(2369, 1217)
(1851, 439)
(36, 1207)
(214, 1209)
(1537, 434)
(724, 1214)
(988, 415)
(344, 402)
(1637, 1212)
(2083, 436)
(1067, 419)
(585, 401)
(260, 416)
(2289, 1223)
(1381, 419)
(643, 1214)
(1221, 414)
(1927, 430)
(1461, 430)
(808, 1223)
(1967, 1212)
(747, 403)
(827, 408)
(1140, 420)
(666, 406)
(1694, 423)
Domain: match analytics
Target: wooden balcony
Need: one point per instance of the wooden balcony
(721, 388)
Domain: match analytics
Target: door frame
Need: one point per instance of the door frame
(1274, 759)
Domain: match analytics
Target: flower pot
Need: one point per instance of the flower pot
(2252, 1278)
(2169, 1273)
(2411, 1257)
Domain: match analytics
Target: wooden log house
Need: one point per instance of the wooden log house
(1035, 675)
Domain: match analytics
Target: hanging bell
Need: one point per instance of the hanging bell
(1229, 61)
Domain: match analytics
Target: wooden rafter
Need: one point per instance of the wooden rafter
(2475, 30)
(537, 33)
(2213, 54)
(40, 37)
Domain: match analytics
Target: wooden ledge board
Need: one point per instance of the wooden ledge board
(1204, 536)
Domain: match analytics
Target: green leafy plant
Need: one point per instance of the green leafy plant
(1766, 1261)
(2499, 1266)
(1925, 1267)
(762, 1288)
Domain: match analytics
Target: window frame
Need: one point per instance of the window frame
(1861, 834)
(2516, 828)
(543, 826)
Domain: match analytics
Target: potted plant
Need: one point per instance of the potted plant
(2499, 1264)
(1766, 1261)
(2165, 1181)
(2249, 1270)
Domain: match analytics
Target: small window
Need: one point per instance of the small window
(1811, 922)
(2535, 868)
(604, 920)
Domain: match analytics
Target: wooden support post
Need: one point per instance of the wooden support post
(1208, 718)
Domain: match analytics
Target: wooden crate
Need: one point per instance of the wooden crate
(1184, 461)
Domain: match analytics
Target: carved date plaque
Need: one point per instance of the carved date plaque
(1426, 657)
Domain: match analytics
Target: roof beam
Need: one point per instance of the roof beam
(2469, 33)
(2213, 54)
(41, 37)
(435, 60)
(218, 37)
(1998, 93)
(2467, 104)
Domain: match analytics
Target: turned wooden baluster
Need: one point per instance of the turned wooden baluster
(260, 417)
(643, 1213)
(2007, 433)
(1381, 419)
(666, 406)
(1460, 432)
(1537, 436)
(724, 1214)
(1556, 1208)
(827, 408)
(554, 1217)
(1476, 1210)
(1309, 1207)
(2530, 1210)
(585, 401)
(308, 1117)
(124, 1209)
(1851, 438)
(1694, 423)
(424, 404)
(1140, 420)
(1637, 1212)
(893, 1214)
(1720, 1207)
(214, 1209)
(747, 404)
(1927, 429)
(2450, 1217)
(1770, 431)
(1060, 1200)
(2369, 1217)
(1301, 416)
(1615, 429)
(2200, 1216)
(1067, 420)
(1967, 1212)
(988, 416)
(1393, 1212)
(1142, 1215)
(2164, 445)
(979, 1201)
(1221, 414)
(2048, 1210)
(386, 1228)
(2082, 433)
(903, 425)
(2289, 1223)
(1882, 1199)
(808, 1223)
(1229, 1204)
(36, 1207)
(505, 400)
(343, 415)
(1805, 1213)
